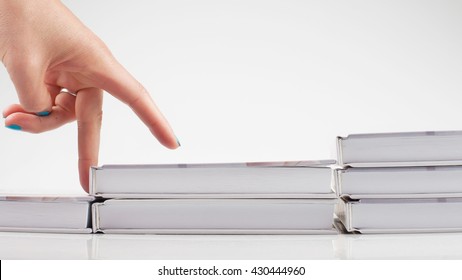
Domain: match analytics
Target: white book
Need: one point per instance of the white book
(214, 216)
(401, 215)
(45, 214)
(294, 179)
(399, 182)
(400, 149)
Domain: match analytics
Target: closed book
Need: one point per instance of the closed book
(401, 149)
(214, 216)
(293, 179)
(401, 215)
(45, 214)
(396, 182)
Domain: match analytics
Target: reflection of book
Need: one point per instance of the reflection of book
(214, 216)
(422, 181)
(401, 215)
(44, 246)
(399, 246)
(45, 214)
(400, 149)
(200, 247)
(239, 180)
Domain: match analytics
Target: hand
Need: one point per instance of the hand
(45, 48)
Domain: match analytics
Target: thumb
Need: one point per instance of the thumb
(28, 79)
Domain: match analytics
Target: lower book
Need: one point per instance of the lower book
(215, 216)
(64, 214)
(401, 215)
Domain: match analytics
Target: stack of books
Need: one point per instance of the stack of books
(400, 182)
(388, 182)
(240, 198)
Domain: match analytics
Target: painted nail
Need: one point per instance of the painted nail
(14, 127)
(178, 142)
(43, 114)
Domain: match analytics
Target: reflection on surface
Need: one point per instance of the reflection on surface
(215, 247)
(400, 246)
(107, 246)
(44, 246)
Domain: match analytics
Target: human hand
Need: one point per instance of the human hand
(45, 48)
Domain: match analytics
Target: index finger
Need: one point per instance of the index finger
(122, 85)
(88, 112)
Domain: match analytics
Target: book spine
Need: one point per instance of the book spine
(339, 151)
(95, 217)
(337, 182)
(93, 171)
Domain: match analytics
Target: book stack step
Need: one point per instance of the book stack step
(240, 198)
(65, 214)
(400, 182)
(383, 183)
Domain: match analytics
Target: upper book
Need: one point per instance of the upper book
(399, 182)
(400, 149)
(293, 179)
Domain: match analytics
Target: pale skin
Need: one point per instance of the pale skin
(45, 48)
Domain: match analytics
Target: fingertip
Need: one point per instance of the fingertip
(85, 185)
(15, 121)
(166, 137)
(14, 127)
(84, 174)
(172, 145)
(43, 114)
(24, 122)
(84, 178)
(13, 108)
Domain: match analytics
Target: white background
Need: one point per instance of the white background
(256, 80)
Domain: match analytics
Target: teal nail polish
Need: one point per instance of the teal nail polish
(43, 114)
(178, 142)
(14, 127)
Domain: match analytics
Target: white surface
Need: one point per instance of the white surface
(165, 247)
(256, 80)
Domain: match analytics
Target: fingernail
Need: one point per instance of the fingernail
(43, 114)
(14, 127)
(178, 142)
